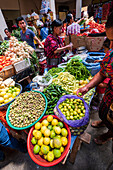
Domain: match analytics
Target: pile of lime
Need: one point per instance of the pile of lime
(73, 109)
(49, 138)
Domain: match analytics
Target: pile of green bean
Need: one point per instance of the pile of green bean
(77, 69)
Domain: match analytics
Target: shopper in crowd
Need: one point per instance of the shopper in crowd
(53, 46)
(8, 141)
(48, 16)
(27, 34)
(72, 27)
(7, 32)
(44, 31)
(105, 72)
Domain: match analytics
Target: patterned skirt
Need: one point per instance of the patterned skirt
(104, 107)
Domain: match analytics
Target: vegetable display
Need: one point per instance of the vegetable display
(26, 109)
(4, 61)
(53, 93)
(53, 71)
(73, 109)
(49, 138)
(77, 69)
(67, 81)
(3, 47)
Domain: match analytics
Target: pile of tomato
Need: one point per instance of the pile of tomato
(100, 27)
(4, 61)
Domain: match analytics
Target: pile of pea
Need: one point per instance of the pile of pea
(73, 109)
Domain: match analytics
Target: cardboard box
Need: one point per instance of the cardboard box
(7, 72)
(96, 43)
(77, 41)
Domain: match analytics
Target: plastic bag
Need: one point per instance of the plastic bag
(74, 123)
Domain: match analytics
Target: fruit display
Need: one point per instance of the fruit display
(54, 71)
(8, 91)
(66, 80)
(88, 96)
(53, 93)
(26, 109)
(49, 138)
(77, 69)
(73, 109)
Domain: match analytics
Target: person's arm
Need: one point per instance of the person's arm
(97, 79)
(39, 42)
(102, 85)
(67, 47)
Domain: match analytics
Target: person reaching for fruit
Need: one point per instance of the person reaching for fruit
(105, 72)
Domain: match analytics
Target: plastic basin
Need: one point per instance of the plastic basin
(37, 158)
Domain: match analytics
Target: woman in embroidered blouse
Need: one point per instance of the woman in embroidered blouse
(105, 72)
(53, 46)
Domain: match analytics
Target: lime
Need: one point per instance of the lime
(54, 122)
(50, 127)
(43, 128)
(52, 134)
(34, 141)
(64, 141)
(44, 149)
(36, 149)
(64, 132)
(54, 127)
(38, 135)
(57, 142)
(46, 141)
(57, 153)
(50, 118)
(47, 133)
(58, 130)
(62, 149)
(38, 125)
(45, 122)
(34, 132)
(45, 156)
(50, 156)
(51, 143)
(40, 141)
(60, 124)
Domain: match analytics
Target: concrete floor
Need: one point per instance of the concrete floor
(89, 157)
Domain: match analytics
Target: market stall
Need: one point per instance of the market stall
(51, 137)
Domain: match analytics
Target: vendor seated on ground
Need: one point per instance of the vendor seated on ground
(7, 33)
(53, 47)
(26, 34)
(72, 27)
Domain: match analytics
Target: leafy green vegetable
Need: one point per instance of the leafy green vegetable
(77, 69)
(53, 71)
(3, 47)
(16, 33)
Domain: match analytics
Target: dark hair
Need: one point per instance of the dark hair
(109, 22)
(49, 10)
(19, 19)
(68, 17)
(65, 21)
(6, 29)
(56, 23)
(106, 43)
(45, 24)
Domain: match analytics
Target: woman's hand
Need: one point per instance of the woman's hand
(69, 47)
(80, 92)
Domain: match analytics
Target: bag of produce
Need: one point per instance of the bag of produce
(74, 111)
